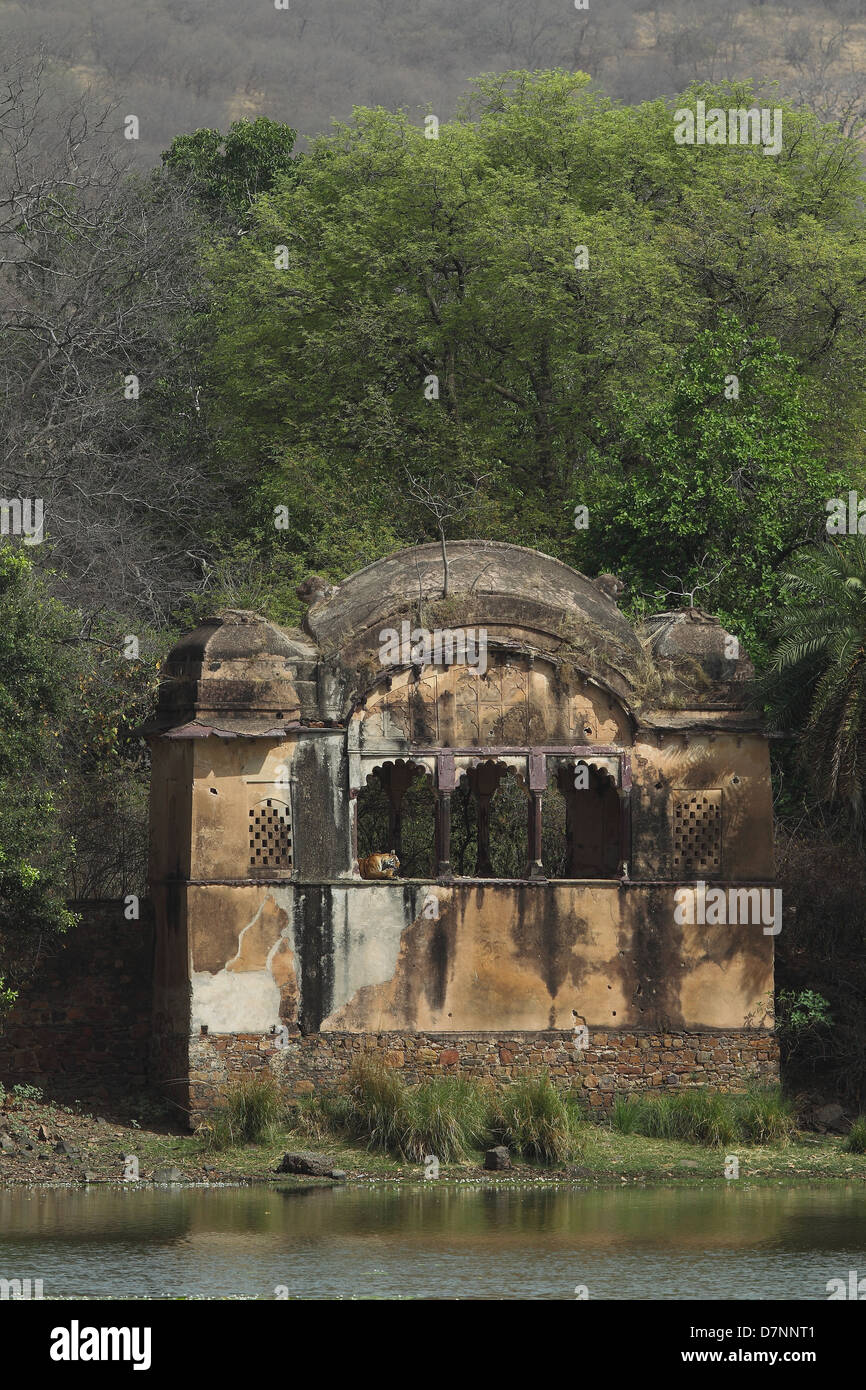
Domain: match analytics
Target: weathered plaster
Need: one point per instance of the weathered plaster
(250, 712)
(257, 986)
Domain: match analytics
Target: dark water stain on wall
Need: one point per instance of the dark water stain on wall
(314, 941)
(656, 959)
(545, 936)
(322, 835)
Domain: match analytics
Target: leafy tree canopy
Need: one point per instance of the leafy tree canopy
(229, 171)
(36, 669)
(486, 302)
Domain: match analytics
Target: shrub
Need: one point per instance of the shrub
(253, 1110)
(765, 1116)
(856, 1141)
(534, 1120)
(711, 1118)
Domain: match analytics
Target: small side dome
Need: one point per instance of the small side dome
(235, 673)
(692, 634)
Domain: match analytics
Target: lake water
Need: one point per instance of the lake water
(434, 1241)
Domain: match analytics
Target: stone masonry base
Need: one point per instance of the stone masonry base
(615, 1062)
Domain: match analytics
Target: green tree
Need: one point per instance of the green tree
(816, 681)
(709, 493)
(36, 677)
(482, 304)
(228, 172)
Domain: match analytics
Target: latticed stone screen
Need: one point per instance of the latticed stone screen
(270, 836)
(697, 833)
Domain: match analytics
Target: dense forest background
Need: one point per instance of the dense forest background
(235, 316)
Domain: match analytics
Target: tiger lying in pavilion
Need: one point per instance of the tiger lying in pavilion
(379, 865)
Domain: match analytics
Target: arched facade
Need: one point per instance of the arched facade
(544, 807)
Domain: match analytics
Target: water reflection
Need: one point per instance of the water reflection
(429, 1241)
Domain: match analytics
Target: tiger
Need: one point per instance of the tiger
(379, 865)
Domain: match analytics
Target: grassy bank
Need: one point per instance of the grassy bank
(376, 1130)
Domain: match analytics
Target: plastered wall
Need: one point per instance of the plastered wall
(372, 957)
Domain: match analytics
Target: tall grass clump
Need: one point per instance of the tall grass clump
(445, 1116)
(252, 1112)
(531, 1117)
(626, 1115)
(711, 1118)
(703, 1117)
(765, 1115)
(856, 1141)
(373, 1105)
(448, 1117)
(311, 1117)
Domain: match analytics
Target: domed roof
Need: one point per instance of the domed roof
(239, 673)
(234, 673)
(229, 635)
(690, 633)
(523, 598)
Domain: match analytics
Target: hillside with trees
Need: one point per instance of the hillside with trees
(180, 65)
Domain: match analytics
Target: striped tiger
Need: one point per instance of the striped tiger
(379, 865)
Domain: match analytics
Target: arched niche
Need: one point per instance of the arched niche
(489, 812)
(593, 824)
(396, 812)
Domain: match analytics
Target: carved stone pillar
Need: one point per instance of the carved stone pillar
(445, 783)
(443, 834)
(485, 778)
(537, 788)
(625, 855)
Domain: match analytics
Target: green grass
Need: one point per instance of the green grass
(766, 1116)
(856, 1141)
(448, 1117)
(534, 1120)
(710, 1118)
(254, 1109)
(609, 1156)
(372, 1105)
(452, 1117)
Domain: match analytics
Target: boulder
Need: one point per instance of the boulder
(497, 1160)
(313, 1165)
(167, 1175)
(831, 1117)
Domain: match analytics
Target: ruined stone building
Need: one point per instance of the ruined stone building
(544, 803)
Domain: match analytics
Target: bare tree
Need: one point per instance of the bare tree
(99, 415)
(445, 500)
(683, 592)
